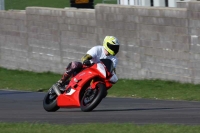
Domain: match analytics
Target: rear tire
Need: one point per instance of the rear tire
(50, 102)
(88, 103)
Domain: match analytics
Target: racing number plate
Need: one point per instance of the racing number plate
(81, 1)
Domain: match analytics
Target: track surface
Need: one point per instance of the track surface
(17, 106)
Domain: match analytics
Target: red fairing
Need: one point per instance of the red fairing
(71, 99)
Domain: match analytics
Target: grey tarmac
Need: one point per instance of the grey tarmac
(20, 106)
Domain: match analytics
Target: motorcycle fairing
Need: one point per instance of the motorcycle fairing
(71, 99)
(101, 69)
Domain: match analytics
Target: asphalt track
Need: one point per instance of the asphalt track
(18, 106)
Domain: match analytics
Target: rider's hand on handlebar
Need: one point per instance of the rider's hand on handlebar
(87, 63)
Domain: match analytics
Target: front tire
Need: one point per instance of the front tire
(89, 102)
(50, 102)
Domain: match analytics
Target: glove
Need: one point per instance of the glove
(87, 63)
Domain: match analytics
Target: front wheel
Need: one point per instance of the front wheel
(92, 97)
(50, 101)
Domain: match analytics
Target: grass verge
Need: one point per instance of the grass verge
(96, 128)
(154, 89)
(22, 4)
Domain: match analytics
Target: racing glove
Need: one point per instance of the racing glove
(86, 60)
(87, 63)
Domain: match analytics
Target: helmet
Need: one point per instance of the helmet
(111, 44)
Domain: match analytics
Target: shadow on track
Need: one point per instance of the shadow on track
(139, 109)
(114, 110)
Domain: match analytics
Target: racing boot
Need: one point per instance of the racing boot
(63, 80)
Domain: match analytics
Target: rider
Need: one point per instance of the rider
(108, 51)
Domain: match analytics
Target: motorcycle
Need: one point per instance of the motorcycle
(85, 90)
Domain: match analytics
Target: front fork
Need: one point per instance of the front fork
(54, 89)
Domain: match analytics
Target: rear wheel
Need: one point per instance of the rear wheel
(50, 101)
(92, 97)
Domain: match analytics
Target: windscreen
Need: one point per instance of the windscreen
(108, 63)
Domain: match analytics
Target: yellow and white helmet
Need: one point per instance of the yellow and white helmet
(111, 44)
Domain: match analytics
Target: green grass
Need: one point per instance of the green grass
(96, 128)
(154, 89)
(22, 4)
(25, 80)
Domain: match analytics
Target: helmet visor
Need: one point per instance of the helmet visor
(114, 48)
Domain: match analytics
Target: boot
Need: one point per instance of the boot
(64, 78)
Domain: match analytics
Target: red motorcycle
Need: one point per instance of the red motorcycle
(85, 90)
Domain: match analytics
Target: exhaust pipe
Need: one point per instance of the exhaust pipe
(57, 91)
